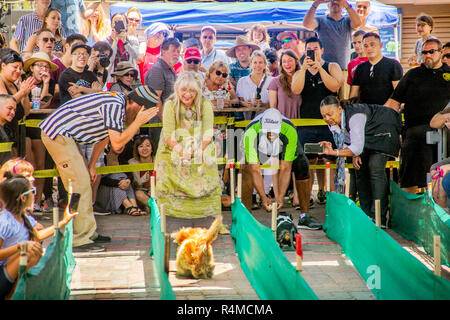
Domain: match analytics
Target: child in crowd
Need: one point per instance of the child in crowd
(16, 227)
(143, 149)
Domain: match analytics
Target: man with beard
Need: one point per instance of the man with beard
(98, 119)
(425, 91)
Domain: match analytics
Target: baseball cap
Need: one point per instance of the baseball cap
(80, 45)
(192, 53)
(156, 27)
(287, 33)
(144, 96)
(209, 28)
(271, 121)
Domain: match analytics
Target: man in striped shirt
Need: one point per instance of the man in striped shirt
(29, 24)
(96, 118)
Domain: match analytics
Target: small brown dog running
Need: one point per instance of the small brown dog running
(194, 253)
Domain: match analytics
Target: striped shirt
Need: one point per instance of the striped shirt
(27, 25)
(88, 118)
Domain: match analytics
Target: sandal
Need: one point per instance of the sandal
(133, 211)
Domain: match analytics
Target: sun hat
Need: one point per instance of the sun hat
(271, 121)
(144, 96)
(123, 68)
(156, 27)
(241, 41)
(39, 56)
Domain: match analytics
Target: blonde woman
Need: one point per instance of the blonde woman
(259, 35)
(97, 27)
(187, 181)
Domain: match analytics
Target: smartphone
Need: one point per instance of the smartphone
(73, 206)
(310, 54)
(119, 26)
(313, 148)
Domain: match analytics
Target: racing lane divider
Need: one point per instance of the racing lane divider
(268, 270)
(390, 272)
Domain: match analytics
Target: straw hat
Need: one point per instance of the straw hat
(39, 56)
(123, 68)
(241, 41)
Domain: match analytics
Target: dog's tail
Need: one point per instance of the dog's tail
(213, 230)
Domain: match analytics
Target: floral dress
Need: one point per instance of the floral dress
(187, 189)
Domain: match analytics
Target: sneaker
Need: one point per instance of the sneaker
(321, 197)
(307, 222)
(100, 238)
(311, 203)
(98, 211)
(47, 206)
(90, 247)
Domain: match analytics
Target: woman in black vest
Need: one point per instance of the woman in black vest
(370, 134)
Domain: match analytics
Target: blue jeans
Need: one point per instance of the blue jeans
(372, 183)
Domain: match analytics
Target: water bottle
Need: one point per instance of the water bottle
(36, 97)
(219, 99)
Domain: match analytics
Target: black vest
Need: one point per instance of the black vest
(382, 130)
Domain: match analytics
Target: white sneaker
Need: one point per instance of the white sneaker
(102, 213)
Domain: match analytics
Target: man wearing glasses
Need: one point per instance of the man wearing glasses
(289, 40)
(446, 55)
(209, 53)
(425, 91)
(193, 61)
(76, 80)
(375, 80)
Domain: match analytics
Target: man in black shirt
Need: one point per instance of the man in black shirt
(375, 80)
(316, 80)
(76, 80)
(425, 91)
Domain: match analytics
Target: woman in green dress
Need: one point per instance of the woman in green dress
(187, 178)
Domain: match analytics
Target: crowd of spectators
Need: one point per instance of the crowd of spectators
(68, 56)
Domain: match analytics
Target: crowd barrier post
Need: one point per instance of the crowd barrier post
(299, 252)
(391, 171)
(232, 190)
(239, 185)
(378, 213)
(55, 208)
(153, 186)
(274, 219)
(328, 177)
(347, 184)
(437, 255)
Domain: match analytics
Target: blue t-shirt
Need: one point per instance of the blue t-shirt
(12, 231)
(336, 37)
(70, 14)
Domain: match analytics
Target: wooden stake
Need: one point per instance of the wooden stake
(239, 186)
(430, 189)
(55, 217)
(437, 255)
(347, 184)
(391, 171)
(163, 218)
(232, 190)
(328, 177)
(274, 219)
(166, 252)
(152, 187)
(378, 213)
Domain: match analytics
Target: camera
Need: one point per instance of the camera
(104, 60)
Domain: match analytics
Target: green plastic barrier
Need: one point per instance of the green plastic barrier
(418, 218)
(157, 251)
(50, 279)
(269, 271)
(390, 272)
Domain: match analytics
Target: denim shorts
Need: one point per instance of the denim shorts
(316, 134)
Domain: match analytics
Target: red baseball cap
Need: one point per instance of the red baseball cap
(192, 53)
(290, 34)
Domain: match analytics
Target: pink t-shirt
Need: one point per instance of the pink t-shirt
(352, 67)
(288, 106)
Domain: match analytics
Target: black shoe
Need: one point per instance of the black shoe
(307, 222)
(90, 247)
(101, 239)
(321, 197)
(311, 203)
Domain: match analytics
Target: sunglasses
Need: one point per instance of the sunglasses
(431, 51)
(12, 57)
(194, 61)
(32, 190)
(52, 40)
(220, 73)
(447, 55)
(287, 40)
(130, 74)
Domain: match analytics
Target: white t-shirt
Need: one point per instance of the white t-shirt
(246, 89)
